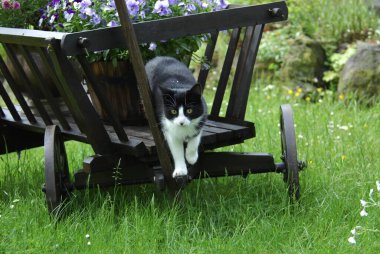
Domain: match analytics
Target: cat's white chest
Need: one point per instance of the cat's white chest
(183, 133)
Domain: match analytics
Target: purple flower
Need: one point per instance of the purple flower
(68, 15)
(190, 8)
(112, 23)
(162, 8)
(88, 11)
(152, 46)
(16, 5)
(6, 4)
(173, 2)
(85, 3)
(96, 19)
(221, 4)
(133, 7)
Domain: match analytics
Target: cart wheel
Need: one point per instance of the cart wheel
(289, 151)
(57, 176)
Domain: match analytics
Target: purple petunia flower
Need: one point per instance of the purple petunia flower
(161, 7)
(133, 7)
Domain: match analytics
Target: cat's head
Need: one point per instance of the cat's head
(181, 107)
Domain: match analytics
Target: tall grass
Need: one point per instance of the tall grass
(227, 215)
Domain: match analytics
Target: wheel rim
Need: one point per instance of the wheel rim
(289, 151)
(56, 168)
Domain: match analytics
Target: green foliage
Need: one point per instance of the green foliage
(26, 16)
(337, 62)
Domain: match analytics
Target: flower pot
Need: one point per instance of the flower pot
(119, 86)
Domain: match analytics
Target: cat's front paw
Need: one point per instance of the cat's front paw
(181, 171)
(191, 156)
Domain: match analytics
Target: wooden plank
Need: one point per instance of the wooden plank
(7, 100)
(103, 100)
(236, 92)
(45, 90)
(27, 37)
(240, 105)
(77, 100)
(133, 146)
(175, 27)
(226, 70)
(129, 37)
(205, 68)
(24, 79)
(215, 164)
(12, 84)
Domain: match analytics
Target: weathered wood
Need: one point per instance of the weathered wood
(7, 100)
(103, 100)
(144, 89)
(45, 90)
(77, 101)
(16, 92)
(240, 91)
(14, 139)
(135, 146)
(175, 27)
(226, 70)
(205, 67)
(27, 37)
(236, 91)
(24, 79)
(215, 164)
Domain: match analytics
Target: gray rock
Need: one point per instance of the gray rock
(304, 62)
(361, 74)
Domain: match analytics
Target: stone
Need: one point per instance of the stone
(304, 62)
(361, 74)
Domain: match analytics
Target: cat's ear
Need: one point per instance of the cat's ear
(196, 90)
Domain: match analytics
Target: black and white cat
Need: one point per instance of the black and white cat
(180, 108)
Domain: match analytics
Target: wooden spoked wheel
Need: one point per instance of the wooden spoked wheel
(57, 176)
(289, 151)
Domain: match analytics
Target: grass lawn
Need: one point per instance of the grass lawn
(340, 142)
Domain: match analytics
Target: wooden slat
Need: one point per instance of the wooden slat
(12, 84)
(27, 37)
(134, 146)
(7, 100)
(103, 100)
(27, 84)
(226, 70)
(45, 89)
(236, 91)
(208, 57)
(77, 101)
(144, 90)
(175, 27)
(240, 105)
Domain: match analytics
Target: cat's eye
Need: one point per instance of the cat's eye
(189, 110)
(173, 112)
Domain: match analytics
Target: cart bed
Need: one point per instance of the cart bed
(216, 133)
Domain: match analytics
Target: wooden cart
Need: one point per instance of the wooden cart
(138, 153)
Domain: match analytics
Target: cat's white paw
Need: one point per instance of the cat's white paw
(191, 156)
(181, 171)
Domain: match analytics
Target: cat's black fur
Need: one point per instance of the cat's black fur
(173, 85)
